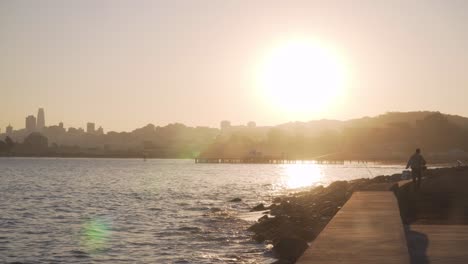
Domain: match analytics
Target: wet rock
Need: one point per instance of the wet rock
(259, 238)
(277, 200)
(290, 249)
(329, 211)
(275, 228)
(283, 261)
(235, 200)
(259, 207)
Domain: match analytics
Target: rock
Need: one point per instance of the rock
(328, 211)
(290, 248)
(283, 261)
(259, 238)
(275, 228)
(259, 207)
(277, 200)
(236, 200)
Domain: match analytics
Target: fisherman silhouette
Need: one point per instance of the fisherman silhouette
(417, 164)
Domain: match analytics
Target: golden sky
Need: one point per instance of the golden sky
(123, 64)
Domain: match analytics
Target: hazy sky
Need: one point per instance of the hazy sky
(123, 64)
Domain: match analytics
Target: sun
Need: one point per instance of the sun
(302, 77)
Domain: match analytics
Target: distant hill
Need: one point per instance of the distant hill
(390, 136)
(315, 127)
(403, 117)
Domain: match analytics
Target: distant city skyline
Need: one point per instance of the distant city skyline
(129, 63)
(37, 124)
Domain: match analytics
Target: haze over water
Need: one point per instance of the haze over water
(131, 211)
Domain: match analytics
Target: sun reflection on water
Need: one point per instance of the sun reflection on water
(301, 175)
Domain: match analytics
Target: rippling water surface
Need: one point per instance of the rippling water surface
(132, 211)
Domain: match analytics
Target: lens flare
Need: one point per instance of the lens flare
(95, 234)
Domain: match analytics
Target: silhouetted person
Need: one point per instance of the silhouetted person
(417, 164)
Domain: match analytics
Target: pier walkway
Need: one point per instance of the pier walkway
(438, 244)
(368, 229)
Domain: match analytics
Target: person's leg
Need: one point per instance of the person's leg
(418, 176)
(413, 176)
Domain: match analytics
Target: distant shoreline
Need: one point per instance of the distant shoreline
(434, 164)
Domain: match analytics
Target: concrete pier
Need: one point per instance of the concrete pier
(438, 244)
(367, 230)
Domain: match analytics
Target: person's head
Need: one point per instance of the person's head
(418, 150)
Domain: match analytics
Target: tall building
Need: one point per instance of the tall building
(30, 124)
(225, 124)
(9, 130)
(100, 131)
(90, 128)
(40, 120)
(61, 124)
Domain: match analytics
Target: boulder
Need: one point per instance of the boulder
(259, 207)
(283, 261)
(290, 248)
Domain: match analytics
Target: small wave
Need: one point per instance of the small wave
(142, 244)
(192, 229)
(203, 208)
(181, 261)
(79, 254)
(30, 232)
(215, 209)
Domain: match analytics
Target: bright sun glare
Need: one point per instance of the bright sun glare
(301, 175)
(302, 77)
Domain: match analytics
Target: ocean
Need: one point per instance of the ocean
(58, 210)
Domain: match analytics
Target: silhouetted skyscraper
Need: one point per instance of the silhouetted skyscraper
(40, 120)
(90, 128)
(30, 124)
(9, 130)
(225, 124)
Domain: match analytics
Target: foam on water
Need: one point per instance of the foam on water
(158, 211)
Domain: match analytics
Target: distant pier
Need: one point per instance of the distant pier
(265, 160)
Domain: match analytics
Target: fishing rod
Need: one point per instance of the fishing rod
(372, 175)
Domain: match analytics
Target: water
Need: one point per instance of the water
(131, 211)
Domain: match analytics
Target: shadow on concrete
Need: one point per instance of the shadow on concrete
(418, 244)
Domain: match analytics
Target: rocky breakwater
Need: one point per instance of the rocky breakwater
(294, 220)
(442, 198)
